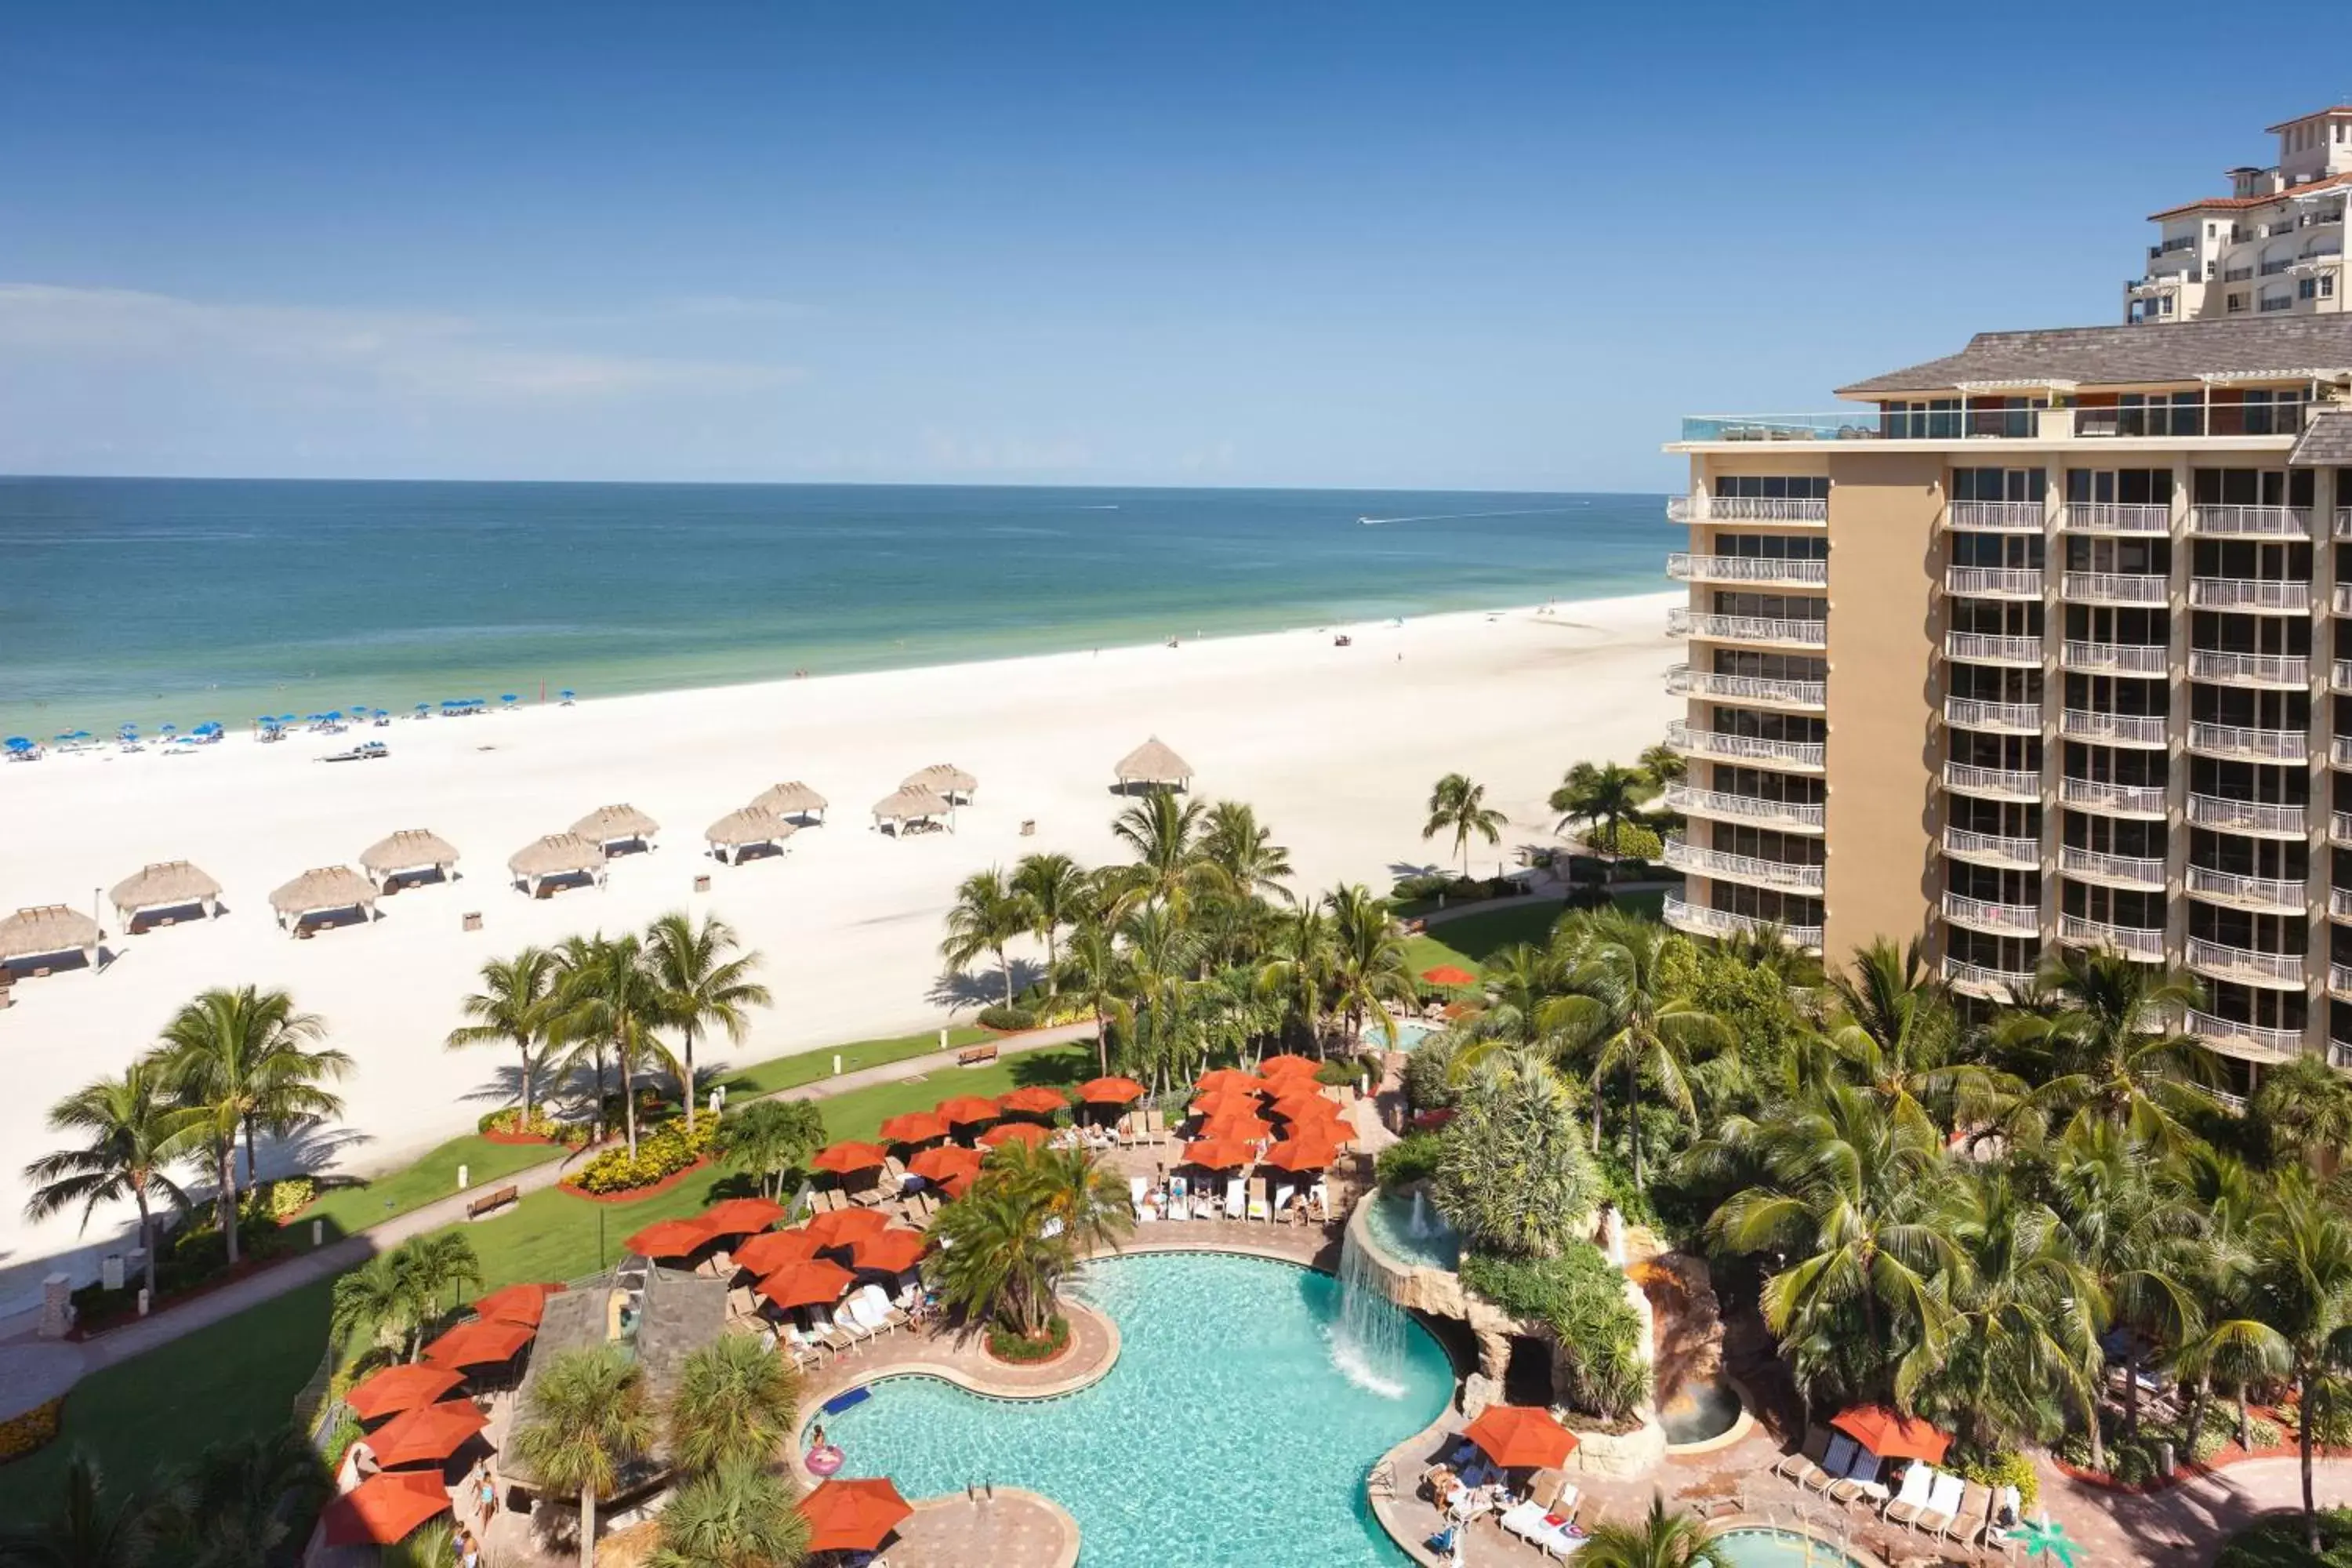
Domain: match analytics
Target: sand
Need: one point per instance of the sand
(1335, 747)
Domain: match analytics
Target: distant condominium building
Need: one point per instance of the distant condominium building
(2051, 645)
(2273, 246)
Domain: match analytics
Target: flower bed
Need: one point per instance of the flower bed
(664, 1152)
(36, 1428)
(507, 1127)
(1015, 1351)
(631, 1195)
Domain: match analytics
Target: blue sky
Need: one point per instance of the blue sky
(1450, 246)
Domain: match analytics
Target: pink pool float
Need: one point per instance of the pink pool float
(824, 1461)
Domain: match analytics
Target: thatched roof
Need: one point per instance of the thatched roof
(944, 777)
(911, 801)
(323, 888)
(163, 885)
(557, 854)
(749, 825)
(789, 799)
(46, 928)
(615, 823)
(410, 849)
(1153, 762)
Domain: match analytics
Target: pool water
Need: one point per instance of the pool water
(1759, 1547)
(1409, 1228)
(1224, 1434)
(1699, 1410)
(1408, 1035)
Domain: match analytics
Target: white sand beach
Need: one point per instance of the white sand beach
(1335, 747)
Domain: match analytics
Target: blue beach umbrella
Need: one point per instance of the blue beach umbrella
(18, 744)
(128, 731)
(508, 697)
(566, 694)
(334, 715)
(168, 729)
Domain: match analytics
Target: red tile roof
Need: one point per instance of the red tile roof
(2314, 114)
(2241, 201)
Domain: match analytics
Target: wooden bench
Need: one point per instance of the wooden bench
(976, 1055)
(493, 1201)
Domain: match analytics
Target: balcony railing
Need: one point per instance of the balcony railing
(1708, 803)
(1840, 425)
(1996, 516)
(2116, 517)
(1990, 849)
(2251, 521)
(2227, 962)
(2000, 783)
(1746, 628)
(2340, 979)
(2339, 828)
(2250, 745)
(2249, 594)
(1682, 680)
(1748, 569)
(1745, 508)
(1682, 736)
(2132, 942)
(2279, 894)
(2344, 522)
(2339, 903)
(2008, 718)
(2253, 1042)
(2342, 598)
(1684, 856)
(1983, 647)
(2122, 799)
(1979, 914)
(2117, 658)
(2248, 817)
(2339, 751)
(2115, 728)
(1683, 915)
(1994, 581)
(2115, 587)
(2138, 871)
(2250, 668)
(1992, 985)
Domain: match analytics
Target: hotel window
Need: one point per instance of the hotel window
(2181, 413)
(1774, 486)
(2237, 304)
(2127, 487)
(2306, 289)
(1998, 484)
(1932, 419)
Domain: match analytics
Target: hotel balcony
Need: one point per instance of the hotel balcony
(2114, 729)
(2339, 903)
(2339, 983)
(2258, 819)
(1981, 648)
(2339, 751)
(2248, 744)
(1995, 516)
(2272, 895)
(1766, 630)
(2247, 1042)
(1993, 582)
(2004, 920)
(1682, 680)
(2002, 717)
(1720, 866)
(1988, 849)
(1788, 574)
(2342, 598)
(2139, 873)
(2251, 521)
(2132, 941)
(2112, 799)
(2115, 587)
(1992, 984)
(1700, 920)
(2261, 596)
(2117, 658)
(1788, 815)
(1992, 784)
(2273, 971)
(2339, 672)
(2344, 522)
(2114, 517)
(2265, 669)
(1725, 746)
(2339, 828)
(1745, 509)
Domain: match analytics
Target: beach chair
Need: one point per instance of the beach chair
(1943, 1509)
(1137, 1186)
(1237, 1198)
(1258, 1208)
(1179, 1198)
(1903, 1508)
(1806, 1461)
(741, 1304)
(1976, 1506)
(1155, 1124)
(1860, 1479)
(843, 1334)
(1319, 1203)
(1284, 1209)
(1835, 1461)
(871, 1307)
(894, 1172)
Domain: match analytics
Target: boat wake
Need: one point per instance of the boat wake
(1457, 516)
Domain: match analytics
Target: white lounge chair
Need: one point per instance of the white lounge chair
(1942, 1504)
(1237, 1198)
(1258, 1206)
(1550, 1534)
(1904, 1507)
(1137, 1186)
(1179, 1198)
(1282, 1197)
(1860, 1479)
(1834, 1464)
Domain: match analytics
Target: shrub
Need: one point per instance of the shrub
(1408, 1160)
(1411, 889)
(2268, 1542)
(36, 1428)
(662, 1152)
(1343, 1070)
(997, 1015)
(1005, 1345)
(1429, 1074)
(345, 1432)
(2005, 1469)
(509, 1122)
(1583, 1300)
(276, 1201)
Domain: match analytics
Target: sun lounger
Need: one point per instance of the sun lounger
(1942, 1504)
(1282, 1210)
(1237, 1198)
(1550, 1534)
(870, 1306)
(1259, 1207)
(1155, 1126)
(1860, 1480)
(741, 1304)
(1126, 1131)
(1905, 1507)
(1137, 1188)
(1179, 1198)
(1976, 1506)
(1805, 1463)
(1834, 1464)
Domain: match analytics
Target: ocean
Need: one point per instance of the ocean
(180, 601)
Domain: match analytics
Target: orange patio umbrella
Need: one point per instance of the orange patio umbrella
(839, 1227)
(772, 1249)
(811, 1283)
(516, 1304)
(668, 1238)
(848, 1157)
(385, 1508)
(1449, 975)
(1316, 1114)
(1521, 1437)
(1030, 1133)
(1216, 1153)
(1308, 1153)
(399, 1388)
(1219, 1102)
(1239, 1128)
(1275, 1069)
(914, 1126)
(939, 1165)
(957, 1184)
(1035, 1100)
(889, 1251)
(427, 1434)
(966, 1110)
(1109, 1091)
(1230, 1077)
(1891, 1436)
(479, 1343)
(740, 1216)
(852, 1516)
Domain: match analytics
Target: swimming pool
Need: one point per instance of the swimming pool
(1409, 1228)
(1224, 1435)
(1761, 1546)
(1408, 1035)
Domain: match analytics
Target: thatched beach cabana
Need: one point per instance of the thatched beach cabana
(610, 825)
(321, 891)
(1155, 766)
(912, 803)
(407, 853)
(557, 854)
(48, 930)
(792, 801)
(739, 830)
(945, 779)
(165, 885)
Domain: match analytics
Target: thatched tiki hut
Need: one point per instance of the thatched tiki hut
(610, 825)
(49, 930)
(164, 885)
(1154, 766)
(411, 852)
(945, 780)
(912, 805)
(794, 802)
(741, 830)
(321, 891)
(556, 854)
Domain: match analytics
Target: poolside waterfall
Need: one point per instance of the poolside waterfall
(1368, 1338)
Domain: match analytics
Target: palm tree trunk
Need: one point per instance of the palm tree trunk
(2196, 1425)
(686, 1091)
(1633, 1115)
(587, 1527)
(2302, 1449)
(226, 1198)
(1102, 1041)
(147, 1239)
(252, 1173)
(629, 1102)
(1053, 962)
(2131, 1393)
(1006, 966)
(522, 1049)
(2245, 1420)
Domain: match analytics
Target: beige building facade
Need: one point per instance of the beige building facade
(2273, 246)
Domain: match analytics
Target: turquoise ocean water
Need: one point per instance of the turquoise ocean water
(154, 601)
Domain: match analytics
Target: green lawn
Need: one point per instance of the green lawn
(807, 1067)
(1470, 941)
(2277, 1541)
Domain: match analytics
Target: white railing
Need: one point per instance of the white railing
(2117, 658)
(1747, 748)
(1746, 628)
(1994, 581)
(2246, 816)
(2339, 903)
(2115, 587)
(1683, 915)
(2340, 673)
(1996, 516)
(2251, 522)
(2342, 598)
(2229, 886)
(2339, 826)
(2250, 668)
(2124, 870)
(2245, 962)
(2005, 784)
(2122, 729)
(2339, 751)
(1973, 713)
(2097, 794)
(1748, 569)
(1686, 856)
(1691, 802)
(2132, 942)
(2237, 1040)
(2344, 522)
(1992, 985)
(2116, 517)
(2340, 979)
(1983, 647)
(1683, 680)
(1744, 509)
(2013, 919)
(2248, 594)
(2024, 854)
(2242, 741)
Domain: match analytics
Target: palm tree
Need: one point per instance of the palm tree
(1245, 852)
(1055, 893)
(701, 985)
(2111, 1051)
(2302, 1282)
(1096, 971)
(516, 1006)
(1893, 1030)
(769, 1137)
(1076, 1188)
(2233, 1347)
(1298, 968)
(739, 1516)
(610, 1001)
(378, 1299)
(585, 1418)
(734, 1405)
(1632, 1009)
(434, 1545)
(1368, 962)
(1170, 849)
(1659, 1539)
(234, 1507)
(84, 1528)
(1660, 765)
(241, 1058)
(1161, 955)
(986, 916)
(1514, 1174)
(440, 1260)
(1604, 797)
(1008, 1244)
(1458, 807)
(2303, 1109)
(134, 1137)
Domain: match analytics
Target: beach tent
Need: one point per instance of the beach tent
(947, 780)
(913, 802)
(165, 885)
(320, 889)
(739, 830)
(556, 854)
(792, 801)
(48, 930)
(408, 851)
(1154, 766)
(610, 825)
